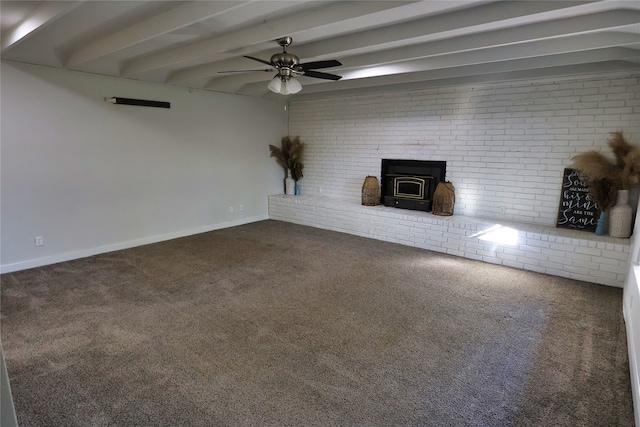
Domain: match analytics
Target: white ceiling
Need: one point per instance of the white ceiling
(381, 44)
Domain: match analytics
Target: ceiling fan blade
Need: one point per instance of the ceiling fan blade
(319, 75)
(266, 70)
(258, 59)
(320, 64)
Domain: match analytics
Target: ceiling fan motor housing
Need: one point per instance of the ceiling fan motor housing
(285, 74)
(284, 60)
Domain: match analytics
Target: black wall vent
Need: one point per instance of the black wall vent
(139, 102)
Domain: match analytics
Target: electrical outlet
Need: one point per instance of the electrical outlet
(231, 209)
(241, 207)
(502, 210)
(39, 241)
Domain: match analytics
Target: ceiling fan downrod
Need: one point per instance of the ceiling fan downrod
(284, 60)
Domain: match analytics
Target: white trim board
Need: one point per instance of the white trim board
(83, 253)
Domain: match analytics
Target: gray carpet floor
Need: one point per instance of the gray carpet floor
(276, 324)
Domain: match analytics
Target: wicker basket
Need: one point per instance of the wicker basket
(371, 191)
(444, 199)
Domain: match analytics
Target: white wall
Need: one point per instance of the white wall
(631, 310)
(505, 145)
(89, 176)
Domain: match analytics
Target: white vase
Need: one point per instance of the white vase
(620, 216)
(289, 184)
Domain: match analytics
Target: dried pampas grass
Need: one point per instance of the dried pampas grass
(603, 193)
(605, 177)
(289, 156)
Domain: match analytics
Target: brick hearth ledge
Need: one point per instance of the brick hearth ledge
(560, 252)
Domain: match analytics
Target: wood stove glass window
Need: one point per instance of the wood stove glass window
(408, 187)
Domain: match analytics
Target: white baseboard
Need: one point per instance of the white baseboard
(83, 253)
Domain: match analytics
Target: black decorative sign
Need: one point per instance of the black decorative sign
(576, 209)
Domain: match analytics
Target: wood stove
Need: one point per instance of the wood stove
(409, 184)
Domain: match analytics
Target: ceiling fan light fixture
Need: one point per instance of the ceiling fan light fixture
(275, 84)
(284, 85)
(285, 89)
(294, 85)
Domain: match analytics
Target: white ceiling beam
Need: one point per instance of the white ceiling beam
(213, 68)
(579, 43)
(47, 13)
(401, 14)
(241, 79)
(475, 20)
(574, 58)
(421, 8)
(407, 32)
(451, 79)
(558, 30)
(539, 48)
(326, 15)
(171, 20)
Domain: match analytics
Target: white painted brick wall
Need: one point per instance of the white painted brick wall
(545, 249)
(505, 144)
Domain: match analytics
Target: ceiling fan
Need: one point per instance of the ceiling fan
(288, 66)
